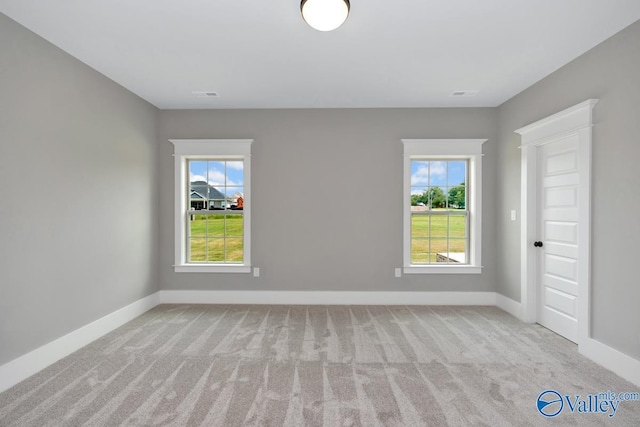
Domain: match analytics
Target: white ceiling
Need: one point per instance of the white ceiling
(261, 54)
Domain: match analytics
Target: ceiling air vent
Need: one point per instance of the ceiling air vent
(465, 93)
(205, 94)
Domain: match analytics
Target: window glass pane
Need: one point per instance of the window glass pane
(234, 226)
(419, 251)
(197, 225)
(438, 226)
(197, 171)
(418, 199)
(197, 250)
(457, 197)
(439, 245)
(215, 226)
(457, 226)
(216, 173)
(234, 249)
(198, 185)
(420, 226)
(428, 173)
(419, 173)
(235, 197)
(438, 173)
(215, 250)
(457, 173)
(456, 253)
(457, 246)
(436, 198)
(235, 173)
(216, 197)
(443, 257)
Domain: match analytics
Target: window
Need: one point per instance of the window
(212, 198)
(442, 205)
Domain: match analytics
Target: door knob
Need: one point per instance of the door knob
(537, 244)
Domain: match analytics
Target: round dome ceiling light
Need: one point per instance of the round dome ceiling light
(325, 15)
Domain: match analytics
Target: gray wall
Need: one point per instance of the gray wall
(84, 207)
(327, 196)
(77, 194)
(610, 73)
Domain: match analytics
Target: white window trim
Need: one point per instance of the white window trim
(471, 150)
(190, 149)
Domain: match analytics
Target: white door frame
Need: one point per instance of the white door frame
(576, 120)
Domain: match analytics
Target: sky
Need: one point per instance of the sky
(225, 176)
(443, 174)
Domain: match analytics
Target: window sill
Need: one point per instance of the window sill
(442, 269)
(206, 268)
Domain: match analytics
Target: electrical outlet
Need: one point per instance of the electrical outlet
(398, 272)
(513, 215)
(256, 271)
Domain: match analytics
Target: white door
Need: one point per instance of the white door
(558, 181)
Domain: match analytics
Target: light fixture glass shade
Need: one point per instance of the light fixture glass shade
(325, 15)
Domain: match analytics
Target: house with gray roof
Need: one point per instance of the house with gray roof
(205, 196)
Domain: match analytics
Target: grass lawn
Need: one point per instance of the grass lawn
(429, 236)
(208, 241)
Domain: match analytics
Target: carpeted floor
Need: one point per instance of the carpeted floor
(232, 365)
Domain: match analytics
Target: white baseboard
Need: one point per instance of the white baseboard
(23, 367)
(512, 307)
(11, 373)
(327, 298)
(625, 366)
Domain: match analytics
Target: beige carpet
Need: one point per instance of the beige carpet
(224, 365)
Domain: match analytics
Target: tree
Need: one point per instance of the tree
(435, 197)
(457, 196)
(416, 198)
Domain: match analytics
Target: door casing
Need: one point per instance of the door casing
(576, 120)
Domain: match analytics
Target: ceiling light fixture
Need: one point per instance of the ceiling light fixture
(325, 15)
